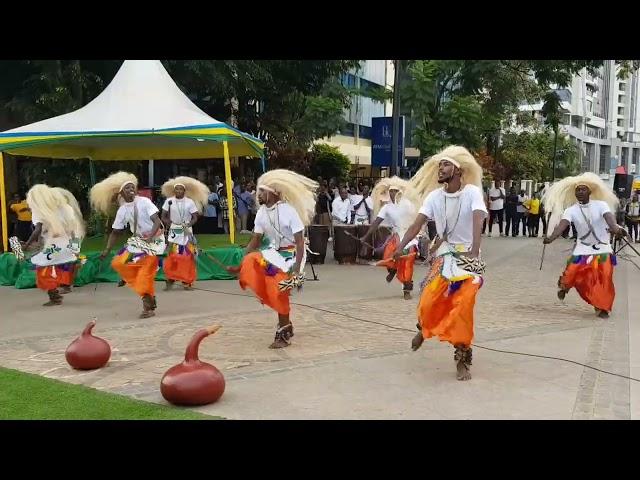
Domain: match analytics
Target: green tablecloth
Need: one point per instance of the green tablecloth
(23, 275)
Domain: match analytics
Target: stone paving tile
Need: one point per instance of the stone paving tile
(517, 300)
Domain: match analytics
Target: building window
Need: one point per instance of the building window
(620, 98)
(365, 132)
(620, 122)
(622, 87)
(620, 110)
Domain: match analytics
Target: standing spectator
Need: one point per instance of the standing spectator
(533, 207)
(245, 204)
(12, 217)
(323, 207)
(633, 217)
(511, 211)
(496, 207)
(362, 207)
(23, 226)
(341, 208)
(224, 209)
(209, 221)
(523, 217)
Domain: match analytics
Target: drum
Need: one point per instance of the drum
(366, 252)
(345, 247)
(381, 236)
(318, 238)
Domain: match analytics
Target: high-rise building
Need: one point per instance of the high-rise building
(601, 115)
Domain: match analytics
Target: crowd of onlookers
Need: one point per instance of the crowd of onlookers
(216, 214)
(514, 212)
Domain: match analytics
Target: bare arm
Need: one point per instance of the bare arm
(374, 226)
(166, 219)
(478, 219)
(613, 226)
(254, 243)
(157, 225)
(299, 238)
(194, 219)
(113, 236)
(561, 227)
(35, 235)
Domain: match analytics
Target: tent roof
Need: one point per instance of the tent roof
(142, 114)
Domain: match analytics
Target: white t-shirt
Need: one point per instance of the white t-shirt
(398, 217)
(459, 227)
(341, 209)
(362, 210)
(181, 209)
(496, 204)
(594, 211)
(279, 223)
(125, 214)
(522, 199)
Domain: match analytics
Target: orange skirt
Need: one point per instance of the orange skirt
(404, 265)
(255, 276)
(139, 275)
(446, 308)
(180, 264)
(592, 279)
(54, 276)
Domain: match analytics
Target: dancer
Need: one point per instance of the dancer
(449, 291)
(62, 229)
(137, 262)
(590, 267)
(398, 212)
(276, 255)
(185, 198)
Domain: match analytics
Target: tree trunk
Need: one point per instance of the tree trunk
(555, 147)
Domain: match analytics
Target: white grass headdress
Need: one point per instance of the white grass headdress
(53, 210)
(103, 194)
(380, 192)
(71, 200)
(426, 179)
(293, 188)
(194, 189)
(562, 194)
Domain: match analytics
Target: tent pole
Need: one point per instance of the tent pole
(264, 168)
(227, 180)
(3, 203)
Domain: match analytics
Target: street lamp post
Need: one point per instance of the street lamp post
(396, 118)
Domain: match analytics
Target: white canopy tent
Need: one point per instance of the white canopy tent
(141, 115)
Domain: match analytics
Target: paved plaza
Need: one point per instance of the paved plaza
(340, 368)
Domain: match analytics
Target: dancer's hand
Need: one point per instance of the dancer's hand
(397, 254)
(296, 268)
(547, 240)
(621, 233)
(104, 254)
(470, 254)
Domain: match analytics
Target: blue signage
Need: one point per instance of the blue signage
(382, 131)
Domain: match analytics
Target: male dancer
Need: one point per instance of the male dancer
(590, 266)
(186, 197)
(451, 181)
(137, 262)
(276, 256)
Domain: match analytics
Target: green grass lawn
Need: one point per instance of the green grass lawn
(30, 397)
(97, 244)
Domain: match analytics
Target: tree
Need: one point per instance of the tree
(526, 155)
(329, 162)
(551, 109)
(468, 101)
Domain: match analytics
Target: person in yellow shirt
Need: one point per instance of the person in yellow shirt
(23, 212)
(533, 207)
